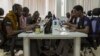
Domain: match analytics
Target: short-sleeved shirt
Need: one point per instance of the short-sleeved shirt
(72, 20)
(83, 22)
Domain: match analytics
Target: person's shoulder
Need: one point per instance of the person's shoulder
(86, 18)
(6, 21)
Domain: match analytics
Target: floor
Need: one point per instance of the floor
(20, 53)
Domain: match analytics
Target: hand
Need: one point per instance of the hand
(72, 29)
(27, 28)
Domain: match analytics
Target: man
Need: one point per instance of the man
(84, 22)
(68, 16)
(24, 18)
(82, 26)
(10, 25)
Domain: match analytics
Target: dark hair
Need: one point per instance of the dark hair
(25, 9)
(68, 15)
(1, 11)
(78, 8)
(15, 7)
(50, 14)
(89, 13)
(99, 10)
(36, 13)
(71, 11)
(96, 11)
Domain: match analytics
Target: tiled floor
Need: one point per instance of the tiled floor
(97, 53)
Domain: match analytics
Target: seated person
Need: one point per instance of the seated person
(35, 44)
(1, 32)
(49, 15)
(83, 26)
(10, 25)
(68, 16)
(1, 12)
(35, 18)
(84, 22)
(89, 14)
(24, 18)
(73, 20)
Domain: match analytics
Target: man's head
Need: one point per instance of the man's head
(50, 14)
(1, 12)
(68, 15)
(89, 13)
(36, 14)
(17, 9)
(25, 11)
(78, 10)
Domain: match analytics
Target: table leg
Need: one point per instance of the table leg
(26, 45)
(77, 44)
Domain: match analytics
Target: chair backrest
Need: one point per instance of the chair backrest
(1, 32)
(95, 25)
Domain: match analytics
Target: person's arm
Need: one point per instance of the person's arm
(9, 30)
(31, 26)
(85, 30)
(70, 25)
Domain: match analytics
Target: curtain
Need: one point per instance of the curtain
(43, 6)
(88, 4)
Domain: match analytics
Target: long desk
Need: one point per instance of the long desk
(63, 35)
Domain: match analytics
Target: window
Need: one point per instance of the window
(63, 7)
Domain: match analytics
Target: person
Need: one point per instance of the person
(82, 26)
(1, 18)
(89, 14)
(1, 32)
(24, 18)
(49, 15)
(1, 12)
(84, 22)
(34, 43)
(73, 20)
(68, 16)
(36, 17)
(10, 26)
(47, 30)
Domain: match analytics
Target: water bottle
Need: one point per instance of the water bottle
(55, 27)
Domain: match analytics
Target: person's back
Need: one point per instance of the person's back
(10, 25)
(1, 32)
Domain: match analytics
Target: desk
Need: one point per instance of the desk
(63, 35)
